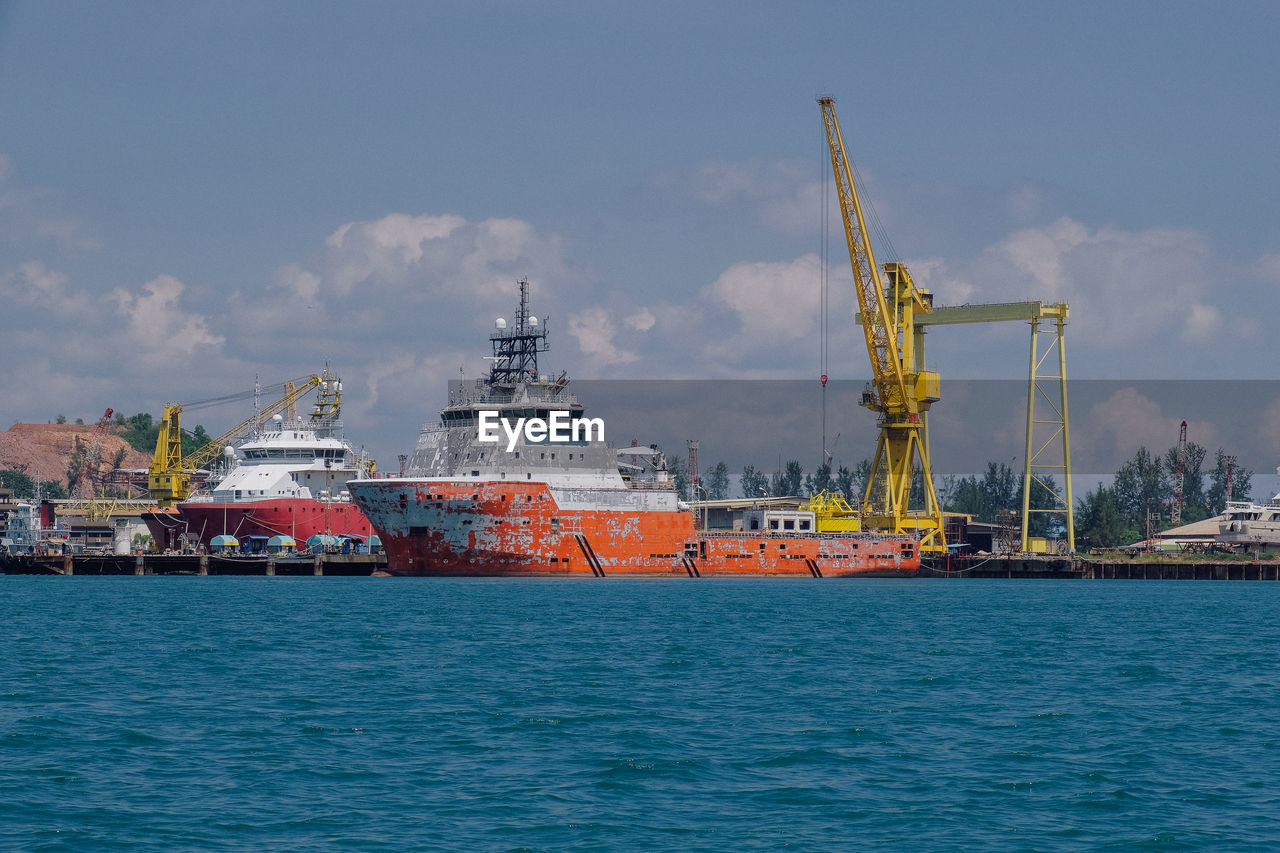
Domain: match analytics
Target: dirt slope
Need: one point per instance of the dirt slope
(46, 449)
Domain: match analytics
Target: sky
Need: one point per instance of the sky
(197, 196)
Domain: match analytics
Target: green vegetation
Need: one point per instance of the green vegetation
(142, 431)
(998, 493)
(717, 482)
(1142, 494)
(24, 486)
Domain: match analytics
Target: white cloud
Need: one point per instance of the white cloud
(1202, 325)
(433, 256)
(1124, 287)
(1115, 428)
(156, 325)
(596, 332)
(779, 301)
(35, 284)
(642, 320)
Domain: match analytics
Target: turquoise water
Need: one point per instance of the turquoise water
(331, 713)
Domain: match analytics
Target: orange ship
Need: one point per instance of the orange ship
(535, 500)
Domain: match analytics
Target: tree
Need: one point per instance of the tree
(1142, 487)
(679, 474)
(787, 482)
(999, 490)
(861, 477)
(1241, 484)
(844, 484)
(820, 481)
(754, 483)
(52, 490)
(21, 485)
(717, 483)
(191, 442)
(1099, 523)
(1045, 496)
(75, 467)
(61, 419)
(141, 432)
(1194, 503)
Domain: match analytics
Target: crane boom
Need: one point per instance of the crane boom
(169, 476)
(904, 391)
(882, 343)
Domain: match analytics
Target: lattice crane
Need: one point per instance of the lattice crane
(901, 391)
(91, 458)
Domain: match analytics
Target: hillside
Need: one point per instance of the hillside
(46, 449)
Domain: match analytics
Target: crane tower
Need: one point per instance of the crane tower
(901, 390)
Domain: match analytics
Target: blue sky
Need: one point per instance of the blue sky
(195, 194)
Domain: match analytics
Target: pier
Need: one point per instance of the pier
(1084, 568)
(318, 565)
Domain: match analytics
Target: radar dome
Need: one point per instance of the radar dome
(500, 323)
(533, 322)
(229, 452)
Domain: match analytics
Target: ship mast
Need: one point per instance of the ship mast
(515, 349)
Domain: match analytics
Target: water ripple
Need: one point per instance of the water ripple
(316, 713)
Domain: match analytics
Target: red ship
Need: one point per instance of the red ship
(288, 479)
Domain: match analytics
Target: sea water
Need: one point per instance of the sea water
(166, 713)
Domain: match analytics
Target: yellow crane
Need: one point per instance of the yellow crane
(901, 391)
(169, 476)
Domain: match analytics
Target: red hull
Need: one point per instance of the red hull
(300, 518)
(469, 528)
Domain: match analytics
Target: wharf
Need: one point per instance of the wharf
(1083, 568)
(342, 565)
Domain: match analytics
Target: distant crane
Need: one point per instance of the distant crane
(1179, 477)
(901, 391)
(91, 458)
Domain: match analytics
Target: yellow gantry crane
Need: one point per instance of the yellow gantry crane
(1048, 449)
(169, 476)
(901, 391)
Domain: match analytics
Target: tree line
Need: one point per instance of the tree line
(1141, 495)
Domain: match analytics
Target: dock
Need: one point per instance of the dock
(318, 565)
(1085, 568)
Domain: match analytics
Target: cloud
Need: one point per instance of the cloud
(595, 332)
(1124, 287)
(642, 320)
(435, 255)
(1113, 429)
(35, 284)
(779, 300)
(156, 325)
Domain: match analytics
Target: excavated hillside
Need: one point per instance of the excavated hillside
(46, 449)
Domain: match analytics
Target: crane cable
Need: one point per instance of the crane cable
(824, 248)
(242, 395)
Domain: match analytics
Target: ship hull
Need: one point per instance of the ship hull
(436, 527)
(300, 518)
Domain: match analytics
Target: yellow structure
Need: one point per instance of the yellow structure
(1048, 450)
(902, 390)
(832, 513)
(169, 476)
